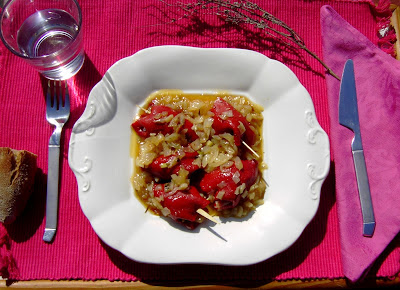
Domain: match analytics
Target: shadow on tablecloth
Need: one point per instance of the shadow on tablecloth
(261, 272)
(206, 30)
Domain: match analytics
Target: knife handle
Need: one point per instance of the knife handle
(52, 193)
(364, 192)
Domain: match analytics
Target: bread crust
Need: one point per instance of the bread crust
(17, 176)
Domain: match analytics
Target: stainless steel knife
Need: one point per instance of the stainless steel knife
(348, 117)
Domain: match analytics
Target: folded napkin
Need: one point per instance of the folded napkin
(378, 90)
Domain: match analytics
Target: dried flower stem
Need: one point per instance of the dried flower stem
(243, 11)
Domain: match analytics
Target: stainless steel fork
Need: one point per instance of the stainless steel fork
(57, 114)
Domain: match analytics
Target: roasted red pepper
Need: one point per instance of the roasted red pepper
(150, 123)
(160, 167)
(249, 172)
(187, 164)
(190, 134)
(220, 180)
(228, 119)
(182, 204)
(229, 199)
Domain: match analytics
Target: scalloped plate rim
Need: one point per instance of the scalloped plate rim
(316, 171)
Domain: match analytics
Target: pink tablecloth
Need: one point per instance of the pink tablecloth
(113, 30)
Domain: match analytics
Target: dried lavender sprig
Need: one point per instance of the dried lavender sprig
(243, 11)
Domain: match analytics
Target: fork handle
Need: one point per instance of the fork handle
(52, 193)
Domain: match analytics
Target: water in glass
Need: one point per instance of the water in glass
(48, 32)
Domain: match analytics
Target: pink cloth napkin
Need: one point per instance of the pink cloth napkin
(378, 90)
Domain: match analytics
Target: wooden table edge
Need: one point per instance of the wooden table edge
(287, 284)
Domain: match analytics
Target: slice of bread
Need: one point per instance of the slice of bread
(17, 176)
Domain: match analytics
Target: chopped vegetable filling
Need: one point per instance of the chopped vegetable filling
(191, 161)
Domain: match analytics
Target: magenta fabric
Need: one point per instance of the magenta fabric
(116, 29)
(378, 90)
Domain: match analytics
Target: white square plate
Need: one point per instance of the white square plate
(296, 151)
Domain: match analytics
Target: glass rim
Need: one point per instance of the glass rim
(42, 56)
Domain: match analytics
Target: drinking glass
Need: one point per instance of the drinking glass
(46, 33)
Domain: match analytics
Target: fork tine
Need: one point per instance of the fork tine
(49, 95)
(59, 94)
(66, 100)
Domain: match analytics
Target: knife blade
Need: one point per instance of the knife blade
(348, 117)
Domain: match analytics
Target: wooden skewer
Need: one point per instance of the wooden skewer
(147, 111)
(251, 149)
(203, 213)
(200, 212)
(266, 183)
(257, 156)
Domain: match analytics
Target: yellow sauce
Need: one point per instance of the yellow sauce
(198, 105)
